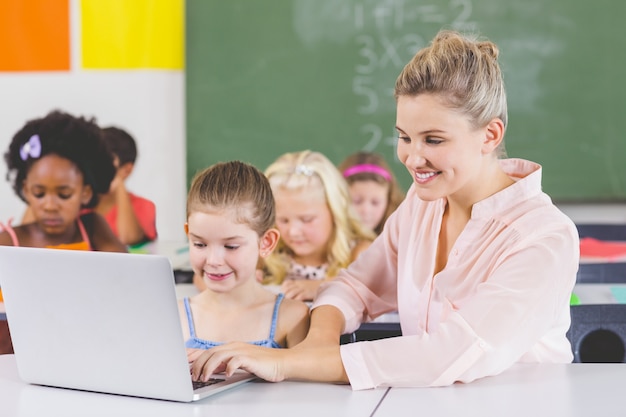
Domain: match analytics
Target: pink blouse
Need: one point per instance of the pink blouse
(503, 297)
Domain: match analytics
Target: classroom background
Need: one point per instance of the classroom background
(201, 81)
(121, 62)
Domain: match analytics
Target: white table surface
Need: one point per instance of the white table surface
(256, 399)
(566, 390)
(597, 293)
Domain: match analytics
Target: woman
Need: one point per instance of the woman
(477, 260)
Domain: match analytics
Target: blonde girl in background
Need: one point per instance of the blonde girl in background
(230, 224)
(374, 190)
(320, 231)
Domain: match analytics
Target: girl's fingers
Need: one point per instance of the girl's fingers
(192, 354)
(212, 361)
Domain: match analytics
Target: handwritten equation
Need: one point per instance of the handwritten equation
(386, 38)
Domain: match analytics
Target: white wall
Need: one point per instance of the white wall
(607, 213)
(150, 104)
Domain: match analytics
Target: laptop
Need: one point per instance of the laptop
(99, 321)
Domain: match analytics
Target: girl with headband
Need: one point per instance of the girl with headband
(374, 191)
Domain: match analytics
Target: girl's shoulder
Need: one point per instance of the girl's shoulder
(289, 304)
(292, 311)
(20, 235)
(5, 238)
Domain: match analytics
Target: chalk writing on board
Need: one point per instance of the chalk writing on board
(387, 36)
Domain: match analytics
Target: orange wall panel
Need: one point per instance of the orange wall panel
(34, 35)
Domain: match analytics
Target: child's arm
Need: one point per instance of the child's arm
(102, 237)
(305, 289)
(129, 228)
(300, 289)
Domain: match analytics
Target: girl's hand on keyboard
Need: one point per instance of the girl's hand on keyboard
(263, 362)
(193, 354)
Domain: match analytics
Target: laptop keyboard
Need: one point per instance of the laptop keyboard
(211, 381)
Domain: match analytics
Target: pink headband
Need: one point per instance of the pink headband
(374, 169)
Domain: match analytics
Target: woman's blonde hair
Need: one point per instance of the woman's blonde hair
(313, 171)
(235, 186)
(363, 162)
(464, 72)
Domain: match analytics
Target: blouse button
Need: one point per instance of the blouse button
(456, 252)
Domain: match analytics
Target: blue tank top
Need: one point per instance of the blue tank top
(197, 343)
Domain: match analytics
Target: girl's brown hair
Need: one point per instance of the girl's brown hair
(234, 186)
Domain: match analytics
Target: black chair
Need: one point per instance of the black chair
(616, 232)
(602, 273)
(183, 276)
(372, 331)
(598, 333)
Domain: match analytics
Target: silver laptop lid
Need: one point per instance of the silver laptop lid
(96, 321)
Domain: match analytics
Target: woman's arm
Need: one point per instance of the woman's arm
(295, 319)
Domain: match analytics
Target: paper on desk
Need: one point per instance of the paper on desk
(602, 249)
(619, 293)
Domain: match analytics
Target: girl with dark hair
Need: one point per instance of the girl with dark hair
(59, 165)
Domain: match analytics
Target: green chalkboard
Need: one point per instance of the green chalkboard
(268, 77)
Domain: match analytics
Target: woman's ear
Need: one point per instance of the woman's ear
(494, 134)
(268, 242)
(187, 229)
(86, 194)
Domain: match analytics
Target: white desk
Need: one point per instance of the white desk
(524, 391)
(597, 293)
(258, 399)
